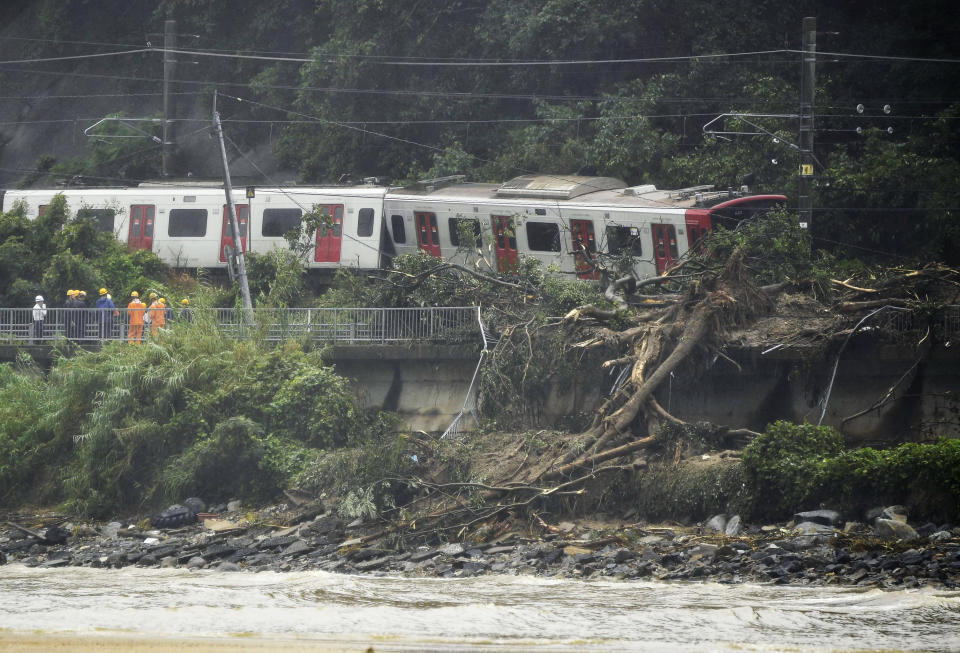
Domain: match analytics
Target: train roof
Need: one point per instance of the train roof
(205, 189)
(565, 189)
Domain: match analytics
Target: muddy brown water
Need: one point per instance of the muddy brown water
(489, 613)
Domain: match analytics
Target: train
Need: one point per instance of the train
(570, 223)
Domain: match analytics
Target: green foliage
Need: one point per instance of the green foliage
(277, 279)
(690, 491)
(797, 467)
(130, 426)
(780, 465)
(296, 412)
(925, 477)
(775, 246)
(59, 251)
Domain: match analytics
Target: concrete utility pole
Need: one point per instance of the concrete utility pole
(234, 225)
(808, 84)
(169, 43)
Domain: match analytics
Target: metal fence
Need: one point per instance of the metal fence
(330, 325)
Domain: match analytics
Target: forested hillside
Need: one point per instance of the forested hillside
(492, 89)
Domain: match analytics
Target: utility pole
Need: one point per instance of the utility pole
(808, 84)
(169, 44)
(234, 225)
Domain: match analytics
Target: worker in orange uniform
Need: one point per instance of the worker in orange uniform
(157, 313)
(135, 311)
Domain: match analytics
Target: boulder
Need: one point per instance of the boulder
(894, 529)
(896, 513)
(734, 526)
(941, 536)
(716, 524)
(825, 517)
(196, 562)
(454, 549)
(227, 566)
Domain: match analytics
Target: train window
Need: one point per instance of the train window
(624, 240)
(399, 232)
(103, 218)
(277, 222)
(543, 236)
(365, 223)
(187, 223)
(464, 226)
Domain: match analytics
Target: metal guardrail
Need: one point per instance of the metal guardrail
(331, 325)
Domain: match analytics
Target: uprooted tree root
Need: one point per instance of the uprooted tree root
(650, 341)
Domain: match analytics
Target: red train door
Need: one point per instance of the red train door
(698, 224)
(427, 235)
(330, 234)
(226, 235)
(584, 249)
(141, 226)
(505, 242)
(664, 245)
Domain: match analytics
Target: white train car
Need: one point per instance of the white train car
(567, 222)
(564, 221)
(186, 225)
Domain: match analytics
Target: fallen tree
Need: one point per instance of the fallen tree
(647, 330)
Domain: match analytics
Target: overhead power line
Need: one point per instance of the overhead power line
(77, 56)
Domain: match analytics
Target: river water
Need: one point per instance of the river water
(488, 613)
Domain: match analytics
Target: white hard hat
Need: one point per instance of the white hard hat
(39, 298)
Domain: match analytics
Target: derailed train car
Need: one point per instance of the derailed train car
(564, 221)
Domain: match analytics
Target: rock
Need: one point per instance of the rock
(565, 526)
(927, 530)
(195, 504)
(894, 529)
(716, 524)
(296, 549)
(196, 562)
(174, 517)
(825, 517)
(227, 566)
(453, 549)
(110, 530)
(420, 556)
(647, 540)
(474, 568)
(853, 527)
(941, 536)
(857, 575)
(234, 506)
(734, 526)
(372, 563)
(895, 513)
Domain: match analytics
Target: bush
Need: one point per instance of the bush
(797, 467)
(780, 466)
(130, 426)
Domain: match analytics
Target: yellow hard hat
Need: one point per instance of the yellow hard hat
(184, 301)
(71, 293)
(82, 292)
(103, 291)
(153, 295)
(134, 294)
(163, 301)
